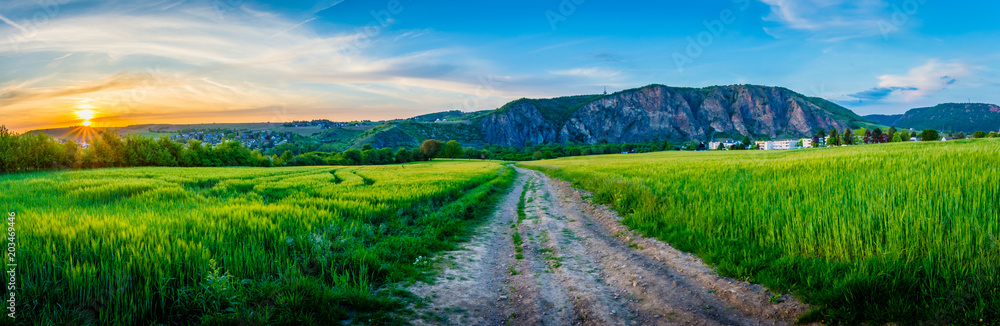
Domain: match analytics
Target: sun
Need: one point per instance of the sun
(85, 114)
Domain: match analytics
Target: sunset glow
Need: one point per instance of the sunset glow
(86, 114)
(136, 62)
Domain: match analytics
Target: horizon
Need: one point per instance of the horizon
(115, 64)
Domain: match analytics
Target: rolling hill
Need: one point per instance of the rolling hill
(958, 117)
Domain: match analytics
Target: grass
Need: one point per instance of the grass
(894, 233)
(237, 245)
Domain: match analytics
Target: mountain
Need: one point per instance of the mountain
(658, 112)
(884, 119)
(963, 117)
(654, 112)
(650, 113)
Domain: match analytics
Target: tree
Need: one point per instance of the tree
(979, 134)
(403, 155)
(892, 131)
(367, 147)
(834, 138)
(10, 153)
(848, 137)
(746, 142)
(930, 135)
(431, 148)
(472, 153)
(896, 138)
(452, 149)
(351, 157)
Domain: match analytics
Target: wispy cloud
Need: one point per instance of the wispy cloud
(608, 57)
(880, 93)
(249, 59)
(592, 72)
(827, 20)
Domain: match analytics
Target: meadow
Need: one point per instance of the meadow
(247, 246)
(893, 233)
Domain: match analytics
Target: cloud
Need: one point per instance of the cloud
(593, 72)
(11, 96)
(608, 57)
(917, 84)
(827, 20)
(925, 79)
(561, 45)
(879, 93)
(233, 58)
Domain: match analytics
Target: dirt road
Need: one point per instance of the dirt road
(579, 266)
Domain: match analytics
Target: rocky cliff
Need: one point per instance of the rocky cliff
(658, 112)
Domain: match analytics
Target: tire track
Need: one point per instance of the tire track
(580, 266)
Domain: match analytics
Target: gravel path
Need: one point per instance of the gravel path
(580, 266)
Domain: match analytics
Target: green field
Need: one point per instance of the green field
(893, 233)
(251, 246)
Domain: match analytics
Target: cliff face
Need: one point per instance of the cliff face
(664, 113)
(517, 124)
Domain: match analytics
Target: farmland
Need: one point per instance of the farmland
(896, 233)
(251, 246)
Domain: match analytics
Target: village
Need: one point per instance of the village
(261, 140)
(864, 138)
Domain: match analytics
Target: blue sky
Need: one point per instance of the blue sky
(184, 61)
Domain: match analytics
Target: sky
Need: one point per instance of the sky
(117, 63)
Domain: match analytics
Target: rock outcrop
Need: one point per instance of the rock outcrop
(660, 112)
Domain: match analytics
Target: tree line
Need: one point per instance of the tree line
(37, 151)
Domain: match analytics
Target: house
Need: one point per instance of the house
(724, 144)
(783, 144)
(946, 138)
(776, 145)
(807, 142)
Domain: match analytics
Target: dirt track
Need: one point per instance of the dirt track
(580, 266)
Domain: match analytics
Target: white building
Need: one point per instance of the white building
(725, 144)
(776, 145)
(807, 142)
